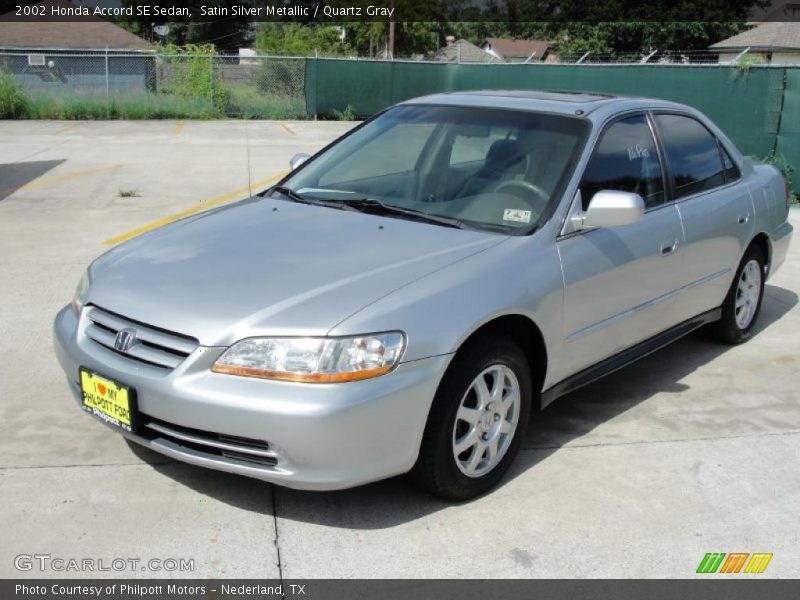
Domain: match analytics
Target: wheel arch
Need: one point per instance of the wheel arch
(761, 240)
(527, 334)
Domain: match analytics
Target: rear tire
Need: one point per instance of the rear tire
(742, 305)
(477, 421)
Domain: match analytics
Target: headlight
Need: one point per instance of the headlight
(79, 298)
(313, 360)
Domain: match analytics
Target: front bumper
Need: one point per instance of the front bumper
(322, 436)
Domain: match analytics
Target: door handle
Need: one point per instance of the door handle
(744, 218)
(668, 248)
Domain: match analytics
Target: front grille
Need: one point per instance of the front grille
(151, 345)
(237, 448)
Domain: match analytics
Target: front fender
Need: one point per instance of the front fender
(442, 310)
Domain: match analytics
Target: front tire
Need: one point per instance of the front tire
(477, 421)
(743, 303)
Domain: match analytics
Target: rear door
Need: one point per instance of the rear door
(619, 282)
(715, 208)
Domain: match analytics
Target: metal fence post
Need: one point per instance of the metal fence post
(316, 81)
(211, 79)
(108, 85)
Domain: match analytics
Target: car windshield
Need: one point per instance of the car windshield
(463, 166)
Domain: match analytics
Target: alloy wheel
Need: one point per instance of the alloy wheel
(748, 292)
(486, 420)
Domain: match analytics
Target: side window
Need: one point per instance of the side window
(693, 154)
(625, 160)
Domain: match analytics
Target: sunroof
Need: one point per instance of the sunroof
(561, 96)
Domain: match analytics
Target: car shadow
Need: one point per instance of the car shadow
(15, 175)
(579, 412)
(395, 501)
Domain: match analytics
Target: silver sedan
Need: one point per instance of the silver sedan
(405, 299)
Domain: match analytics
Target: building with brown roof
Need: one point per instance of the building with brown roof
(512, 50)
(461, 51)
(776, 42)
(88, 33)
(86, 57)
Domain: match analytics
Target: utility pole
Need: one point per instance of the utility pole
(390, 45)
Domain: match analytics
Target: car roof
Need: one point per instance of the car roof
(564, 102)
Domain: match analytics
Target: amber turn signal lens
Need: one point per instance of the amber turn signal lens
(301, 377)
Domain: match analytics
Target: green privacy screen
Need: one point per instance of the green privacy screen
(745, 103)
(789, 135)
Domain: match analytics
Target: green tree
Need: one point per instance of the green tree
(575, 26)
(578, 26)
(224, 33)
(411, 37)
(189, 72)
(295, 39)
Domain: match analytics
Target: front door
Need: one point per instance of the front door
(620, 282)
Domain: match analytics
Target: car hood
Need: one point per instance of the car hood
(270, 267)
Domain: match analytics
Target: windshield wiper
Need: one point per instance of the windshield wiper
(492, 226)
(288, 192)
(370, 205)
(374, 206)
(295, 197)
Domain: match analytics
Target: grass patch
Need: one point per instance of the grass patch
(238, 101)
(132, 193)
(248, 102)
(12, 97)
(344, 115)
(143, 106)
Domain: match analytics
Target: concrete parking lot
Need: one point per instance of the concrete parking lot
(694, 449)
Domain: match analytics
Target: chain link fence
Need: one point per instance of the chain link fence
(475, 55)
(68, 84)
(751, 95)
(268, 87)
(732, 57)
(462, 52)
(57, 84)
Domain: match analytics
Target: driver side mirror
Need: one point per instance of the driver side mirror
(297, 160)
(609, 208)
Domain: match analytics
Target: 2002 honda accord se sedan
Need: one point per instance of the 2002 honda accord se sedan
(404, 300)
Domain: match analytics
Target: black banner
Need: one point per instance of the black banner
(736, 588)
(337, 11)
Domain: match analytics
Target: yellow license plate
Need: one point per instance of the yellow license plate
(108, 400)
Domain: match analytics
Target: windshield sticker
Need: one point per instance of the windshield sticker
(516, 215)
